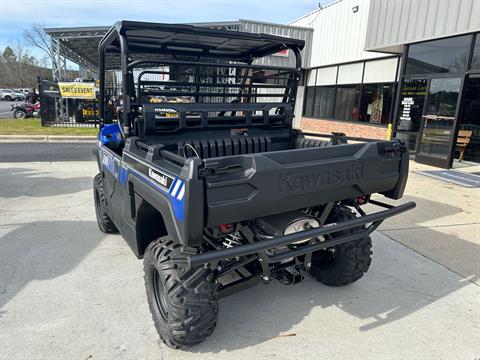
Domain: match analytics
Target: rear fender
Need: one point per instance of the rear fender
(158, 200)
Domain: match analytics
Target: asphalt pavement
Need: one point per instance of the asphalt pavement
(46, 151)
(68, 291)
(5, 107)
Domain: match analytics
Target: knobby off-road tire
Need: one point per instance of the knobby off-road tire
(183, 300)
(104, 222)
(346, 263)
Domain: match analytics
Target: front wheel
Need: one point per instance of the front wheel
(19, 114)
(182, 299)
(104, 221)
(345, 263)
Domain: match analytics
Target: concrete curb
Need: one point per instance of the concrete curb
(47, 138)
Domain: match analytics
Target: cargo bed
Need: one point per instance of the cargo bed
(242, 187)
(251, 176)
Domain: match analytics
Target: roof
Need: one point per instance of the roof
(80, 44)
(181, 39)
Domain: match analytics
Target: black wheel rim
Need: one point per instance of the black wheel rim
(160, 296)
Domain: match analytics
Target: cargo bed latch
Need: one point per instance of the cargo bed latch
(228, 169)
(394, 147)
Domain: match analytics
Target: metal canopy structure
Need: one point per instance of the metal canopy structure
(80, 45)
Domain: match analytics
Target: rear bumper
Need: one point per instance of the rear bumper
(373, 221)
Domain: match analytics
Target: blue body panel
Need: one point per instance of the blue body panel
(175, 194)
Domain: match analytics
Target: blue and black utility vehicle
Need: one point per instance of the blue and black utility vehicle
(207, 181)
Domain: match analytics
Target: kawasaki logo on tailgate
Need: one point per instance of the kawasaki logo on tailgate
(162, 179)
(293, 181)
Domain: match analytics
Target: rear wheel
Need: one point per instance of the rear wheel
(182, 300)
(19, 114)
(345, 263)
(7, 98)
(104, 221)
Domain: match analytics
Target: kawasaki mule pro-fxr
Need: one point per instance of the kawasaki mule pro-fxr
(207, 181)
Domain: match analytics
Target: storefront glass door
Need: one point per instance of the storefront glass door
(469, 119)
(412, 101)
(437, 129)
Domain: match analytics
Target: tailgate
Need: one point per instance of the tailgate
(247, 186)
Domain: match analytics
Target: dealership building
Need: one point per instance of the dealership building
(412, 64)
(370, 65)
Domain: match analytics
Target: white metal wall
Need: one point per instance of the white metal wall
(338, 33)
(281, 30)
(396, 22)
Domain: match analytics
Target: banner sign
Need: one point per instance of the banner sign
(77, 90)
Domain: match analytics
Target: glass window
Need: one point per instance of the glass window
(439, 56)
(312, 75)
(469, 119)
(324, 102)
(350, 73)
(346, 103)
(476, 53)
(411, 107)
(442, 97)
(327, 76)
(376, 102)
(378, 71)
(439, 119)
(309, 98)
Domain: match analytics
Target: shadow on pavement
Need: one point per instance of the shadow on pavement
(398, 284)
(42, 250)
(30, 182)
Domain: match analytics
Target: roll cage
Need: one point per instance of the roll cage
(200, 60)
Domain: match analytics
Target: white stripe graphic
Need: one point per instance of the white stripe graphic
(176, 186)
(181, 193)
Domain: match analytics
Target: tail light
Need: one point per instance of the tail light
(226, 228)
(361, 200)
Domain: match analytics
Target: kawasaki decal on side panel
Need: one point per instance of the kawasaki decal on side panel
(162, 179)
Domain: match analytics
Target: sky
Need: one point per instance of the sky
(17, 15)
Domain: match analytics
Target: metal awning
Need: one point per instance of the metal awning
(79, 44)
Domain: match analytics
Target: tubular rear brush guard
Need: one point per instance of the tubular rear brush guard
(374, 219)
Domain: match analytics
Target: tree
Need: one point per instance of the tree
(18, 68)
(8, 63)
(21, 55)
(8, 55)
(37, 37)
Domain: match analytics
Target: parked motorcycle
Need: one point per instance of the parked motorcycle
(24, 111)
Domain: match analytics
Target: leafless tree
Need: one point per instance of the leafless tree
(37, 37)
(22, 58)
